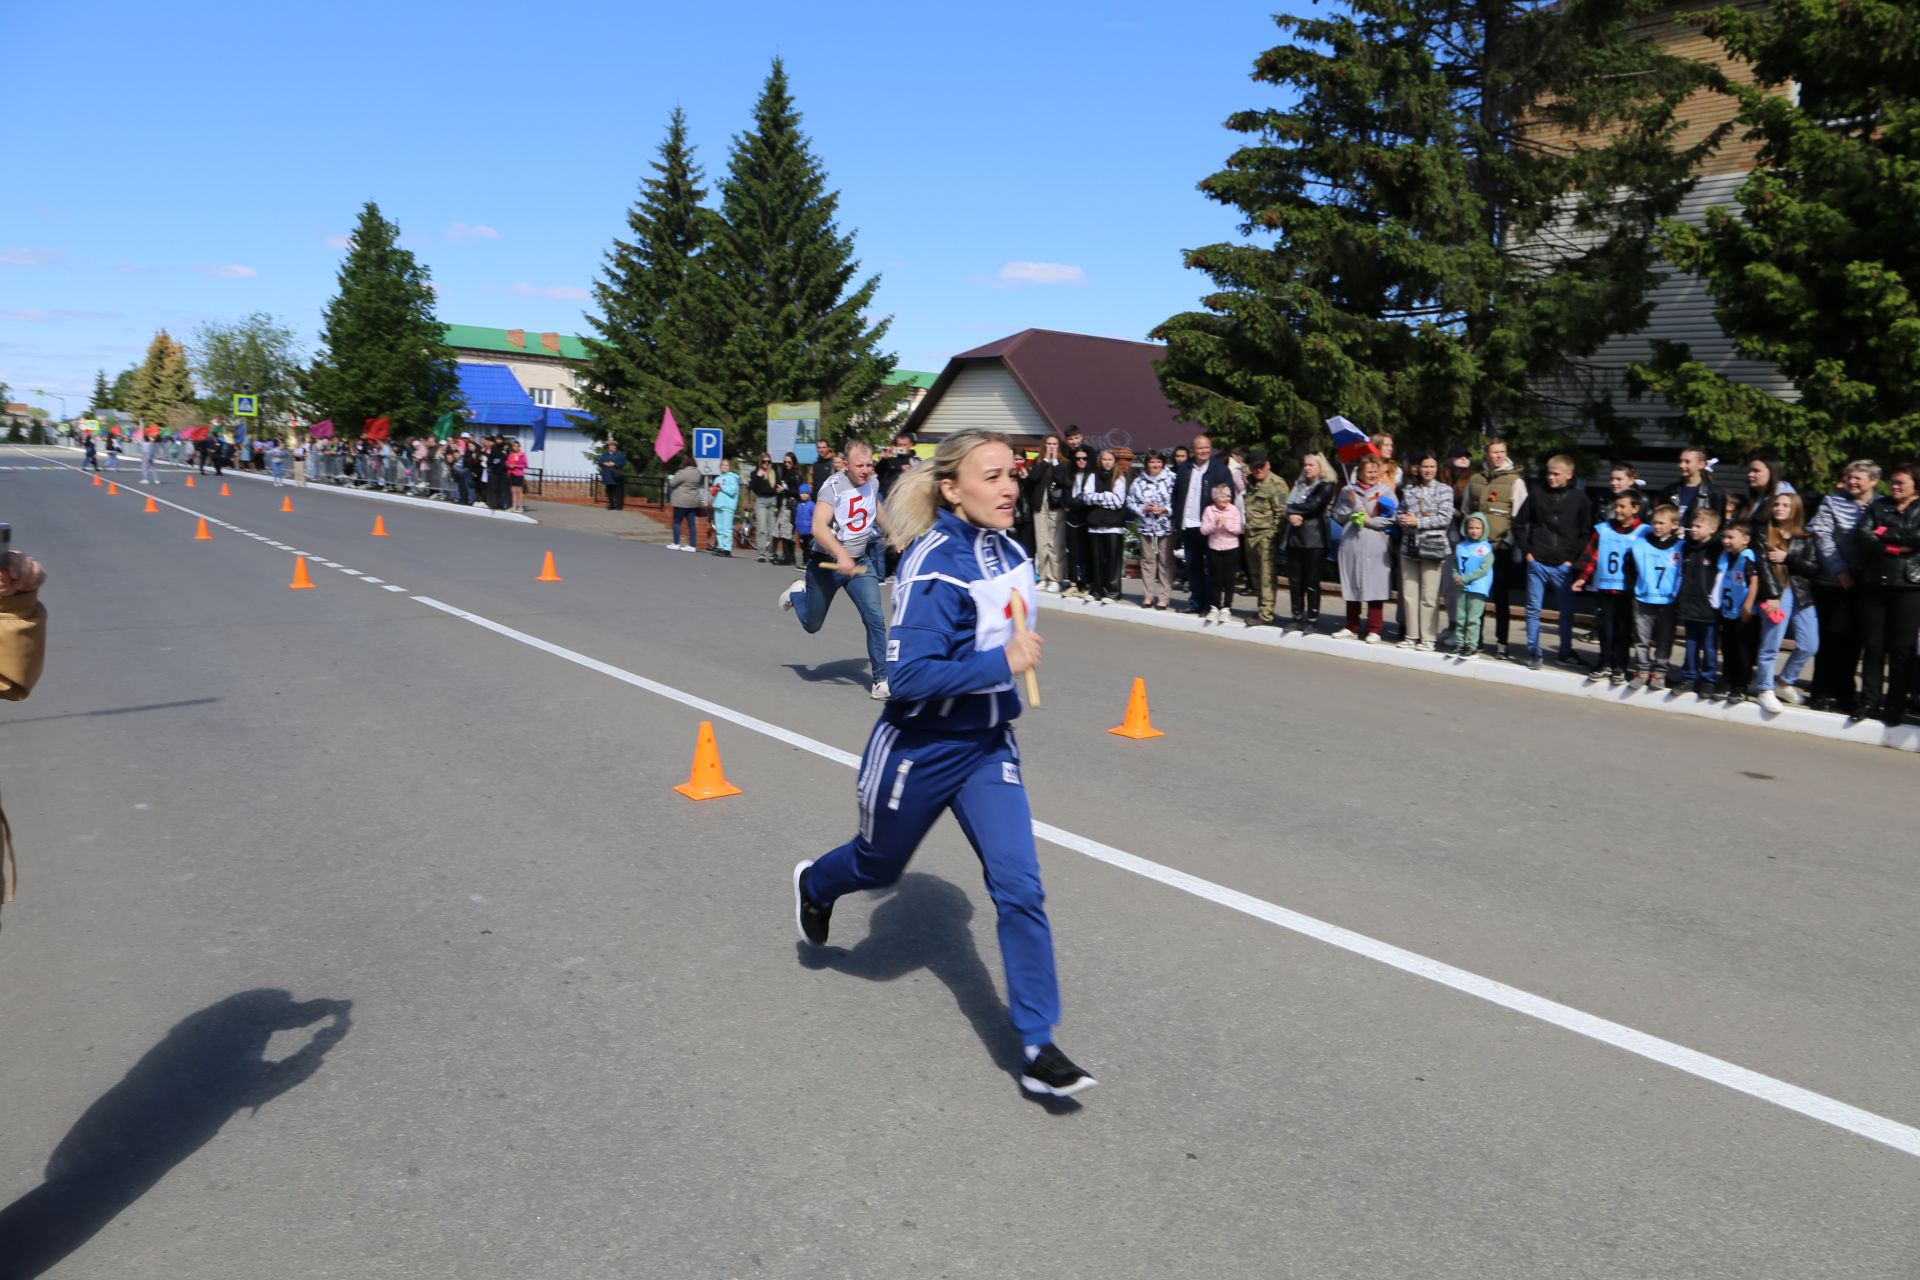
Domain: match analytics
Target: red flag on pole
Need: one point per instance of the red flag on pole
(377, 428)
(668, 445)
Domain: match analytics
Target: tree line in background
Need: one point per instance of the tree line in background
(1427, 251)
(720, 312)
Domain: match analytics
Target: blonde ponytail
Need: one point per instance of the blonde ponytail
(915, 499)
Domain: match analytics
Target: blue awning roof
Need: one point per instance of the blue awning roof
(575, 419)
(494, 397)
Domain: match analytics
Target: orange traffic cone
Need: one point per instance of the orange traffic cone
(547, 572)
(113, 490)
(379, 527)
(301, 582)
(97, 481)
(286, 506)
(151, 509)
(707, 782)
(1137, 724)
(201, 534)
(224, 491)
(190, 483)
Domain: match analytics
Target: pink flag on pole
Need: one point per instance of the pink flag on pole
(321, 430)
(668, 445)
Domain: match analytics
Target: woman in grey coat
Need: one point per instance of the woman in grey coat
(1365, 509)
(1426, 513)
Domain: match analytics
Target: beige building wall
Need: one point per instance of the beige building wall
(984, 395)
(552, 373)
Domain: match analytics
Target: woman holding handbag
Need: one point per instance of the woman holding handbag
(1426, 513)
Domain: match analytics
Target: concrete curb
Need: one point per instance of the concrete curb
(428, 504)
(1818, 724)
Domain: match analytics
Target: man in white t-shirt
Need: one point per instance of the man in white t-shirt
(848, 555)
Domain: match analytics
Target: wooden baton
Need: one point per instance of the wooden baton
(1031, 680)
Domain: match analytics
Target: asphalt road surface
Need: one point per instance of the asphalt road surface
(364, 938)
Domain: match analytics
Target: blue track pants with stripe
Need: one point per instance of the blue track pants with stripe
(907, 779)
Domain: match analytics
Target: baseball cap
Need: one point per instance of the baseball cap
(1256, 456)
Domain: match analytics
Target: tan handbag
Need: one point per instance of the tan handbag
(23, 644)
(23, 651)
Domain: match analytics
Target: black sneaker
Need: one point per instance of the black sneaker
(1535, 662)
(1052, 1072)
(812, 921)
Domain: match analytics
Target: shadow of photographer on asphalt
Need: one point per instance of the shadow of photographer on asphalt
(169, 1105)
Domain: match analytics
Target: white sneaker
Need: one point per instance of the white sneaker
(1769, 702)
(673, 546)
(1791, 695)
(1373, 637)
(880, 691)
(1408, 643)
(1344, 633)
(786, 596)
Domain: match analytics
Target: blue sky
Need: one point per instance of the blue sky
(170, 165)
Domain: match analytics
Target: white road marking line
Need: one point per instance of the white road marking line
(370, 578)
(353, 573)
(390, 587)
(1877, 1128)
(331, 564)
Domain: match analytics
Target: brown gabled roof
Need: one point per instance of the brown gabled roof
(1106, 386)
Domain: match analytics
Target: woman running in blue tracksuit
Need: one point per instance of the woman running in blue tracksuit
(945, 740)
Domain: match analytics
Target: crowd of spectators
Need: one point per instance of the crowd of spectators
(1720, 590)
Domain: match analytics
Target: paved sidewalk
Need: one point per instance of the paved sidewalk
(128, 476)
(1499, 671)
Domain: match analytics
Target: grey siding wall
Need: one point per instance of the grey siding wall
(985, 396)
(1683, 312)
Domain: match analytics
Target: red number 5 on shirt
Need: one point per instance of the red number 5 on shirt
(858, 516)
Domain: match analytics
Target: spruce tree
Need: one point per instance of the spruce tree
(162, 390)
(102, 395)
(657, 327)
(1816, 272)
(384, 352)
(1423, 250)
(784, 285)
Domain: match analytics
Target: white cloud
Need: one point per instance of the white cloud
(1022, 273)
(31, 257)
(479, 231)
(338, 240)
(561, 292)
(232, 271)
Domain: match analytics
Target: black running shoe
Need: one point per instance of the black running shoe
(1052, 1072)
(811, 920)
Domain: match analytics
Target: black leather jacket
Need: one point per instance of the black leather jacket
(1888, 542)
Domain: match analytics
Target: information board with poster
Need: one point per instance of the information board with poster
(794, 427)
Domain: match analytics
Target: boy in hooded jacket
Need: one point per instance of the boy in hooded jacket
(1697, 609)
(1473, 577)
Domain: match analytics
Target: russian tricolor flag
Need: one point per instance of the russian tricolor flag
(1348, 440)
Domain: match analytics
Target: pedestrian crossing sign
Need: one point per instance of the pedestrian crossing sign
(245, 406)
